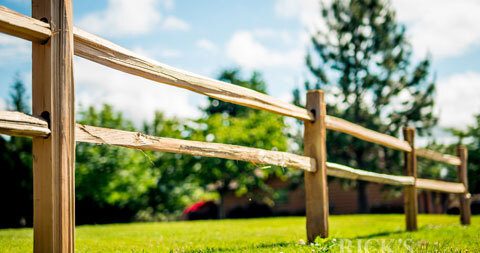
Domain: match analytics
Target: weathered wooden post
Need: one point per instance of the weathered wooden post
(316, 188)
(53, 157)
(410, 191)
(465, 212)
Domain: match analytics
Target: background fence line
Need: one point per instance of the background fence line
(54, 131)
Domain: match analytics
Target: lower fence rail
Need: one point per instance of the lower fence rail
(20, 124)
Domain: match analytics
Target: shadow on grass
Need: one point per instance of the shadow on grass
(244, 249)
(380, 234)
(389, 233)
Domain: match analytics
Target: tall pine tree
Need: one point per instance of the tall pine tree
(362, 60)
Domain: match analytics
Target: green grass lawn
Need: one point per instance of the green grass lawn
(372, 232)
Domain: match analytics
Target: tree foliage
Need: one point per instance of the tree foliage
(471, 137)
(110, 181)
(233, 124)
(16, 167)
(175, 185)
(362, 60)
(254, 82)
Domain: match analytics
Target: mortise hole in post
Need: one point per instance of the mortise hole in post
(46, 116)
(314, 114)
(44, 20)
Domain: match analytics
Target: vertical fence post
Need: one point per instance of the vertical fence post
(410, 191)
(53, 157)
(465, 212)
(316, 191)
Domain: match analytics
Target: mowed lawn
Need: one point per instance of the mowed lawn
(286, 234)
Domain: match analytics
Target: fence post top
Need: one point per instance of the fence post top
(315, 91)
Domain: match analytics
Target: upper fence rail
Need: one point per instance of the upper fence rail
(104, 52)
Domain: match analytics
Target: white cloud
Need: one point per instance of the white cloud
(136, 97)
(127, 17)
(245, 50)
(3, 105)
(170, 53)
(168, 4)
(123, 17)
(175, 24)
(306, 11)
(13, 49)
(158, 53)
(443, 27)
(206, 45)
(458, 99)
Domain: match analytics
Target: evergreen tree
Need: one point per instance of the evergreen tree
(18, 98)
(362, 60)
(471, 138)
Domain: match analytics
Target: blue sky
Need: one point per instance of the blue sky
(269, 35)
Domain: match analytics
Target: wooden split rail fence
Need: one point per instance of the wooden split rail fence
(54, 132)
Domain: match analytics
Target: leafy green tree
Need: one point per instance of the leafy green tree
(362, 60)
(175, 184)
(255, 82)
(16, 167)
(110, 181)
(232, 124)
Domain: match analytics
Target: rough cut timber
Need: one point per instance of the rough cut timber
(20, 124)
(315, 183)
(54, 157)
(342, 171)
(111, 55)
(365, 134)
(439, 186)
(22, 26)
(141, 141)
(410, 206)
(439, 157)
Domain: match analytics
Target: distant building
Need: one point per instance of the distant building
(344, 201)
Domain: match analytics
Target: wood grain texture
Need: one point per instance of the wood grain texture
(106, 53)
(436, 156)
(341, 125)
(465, 200)
(410, 191)
(342, 171)
(141, 141)
(22, 26)
(54, 157)
(21, 124)
(316, 187)
(439, 186)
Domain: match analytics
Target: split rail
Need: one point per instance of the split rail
(52, 126)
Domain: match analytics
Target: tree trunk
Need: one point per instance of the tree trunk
(221, 205)
(362, 198)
